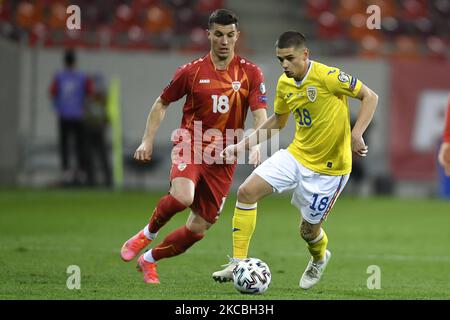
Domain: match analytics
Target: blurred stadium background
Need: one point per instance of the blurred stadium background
(141, 42)
(136, 45)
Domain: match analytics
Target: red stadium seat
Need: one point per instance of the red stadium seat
(124, 18)
(414, 9)
(436, 48)
(315, 8)
(6, 11)
(139, 6)
(138, 39)
(186, 19)
(39, 32)
(205, 7)
(198, 41)
(329, 26)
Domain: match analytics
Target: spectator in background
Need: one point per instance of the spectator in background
(70, 89)
(96, 124)
(444, 152)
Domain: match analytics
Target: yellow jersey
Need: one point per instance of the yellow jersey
(319, 104)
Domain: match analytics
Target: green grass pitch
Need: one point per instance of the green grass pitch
(43, 232)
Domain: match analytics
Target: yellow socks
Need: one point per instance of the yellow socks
(244, 222)
(318, 246)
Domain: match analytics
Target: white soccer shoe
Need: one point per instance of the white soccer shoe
(226, 274)
(314, 272)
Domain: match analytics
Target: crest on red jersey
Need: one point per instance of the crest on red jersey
(236, 85)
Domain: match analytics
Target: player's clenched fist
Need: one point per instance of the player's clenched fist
(254, 156)
(359, 146)
(231, 152)
(144, 151)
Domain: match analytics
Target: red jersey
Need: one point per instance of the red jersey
(219, 99)
(446, 135)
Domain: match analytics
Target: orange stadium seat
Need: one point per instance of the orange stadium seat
(28, 14)
(348, 8)
(406, 47)
(371, 47)
(158, 19)
(58, 16)
(357, 28)
(388, 7)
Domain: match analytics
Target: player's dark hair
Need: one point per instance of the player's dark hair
(290, 39)
(69, 58)
(223, 17)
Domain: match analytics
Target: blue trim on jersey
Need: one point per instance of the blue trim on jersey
(353, 83)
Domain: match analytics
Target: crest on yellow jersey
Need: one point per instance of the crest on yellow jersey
(311, 93)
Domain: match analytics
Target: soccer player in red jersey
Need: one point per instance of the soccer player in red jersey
(220, 87)
(444, 152)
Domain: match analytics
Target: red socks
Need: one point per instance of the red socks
(175, 243)
(165, 209)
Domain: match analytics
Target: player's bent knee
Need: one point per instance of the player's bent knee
(309, 231)
(197, 228)
(184, 198)
(245, 195)
(197, 224)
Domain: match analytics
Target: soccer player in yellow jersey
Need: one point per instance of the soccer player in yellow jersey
(317, 164)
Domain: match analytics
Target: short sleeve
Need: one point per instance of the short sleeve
(177, 87)
(280, 105)
(257, 97)
(340, 83)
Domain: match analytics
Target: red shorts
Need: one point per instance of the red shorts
(212, 183)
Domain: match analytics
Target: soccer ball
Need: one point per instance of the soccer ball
(251, 275)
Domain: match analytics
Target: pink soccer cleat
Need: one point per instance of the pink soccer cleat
(149, 270)
(133, 246)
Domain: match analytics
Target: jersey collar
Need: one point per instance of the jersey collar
(299, 83)
(224, 70)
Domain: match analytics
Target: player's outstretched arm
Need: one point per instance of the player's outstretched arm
(369, 100)
(154, 119)
(259, 117)
(275, 121)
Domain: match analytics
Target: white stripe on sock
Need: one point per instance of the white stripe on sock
(148, 234)
(148, 256)
(319, 237)
(246, 206)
